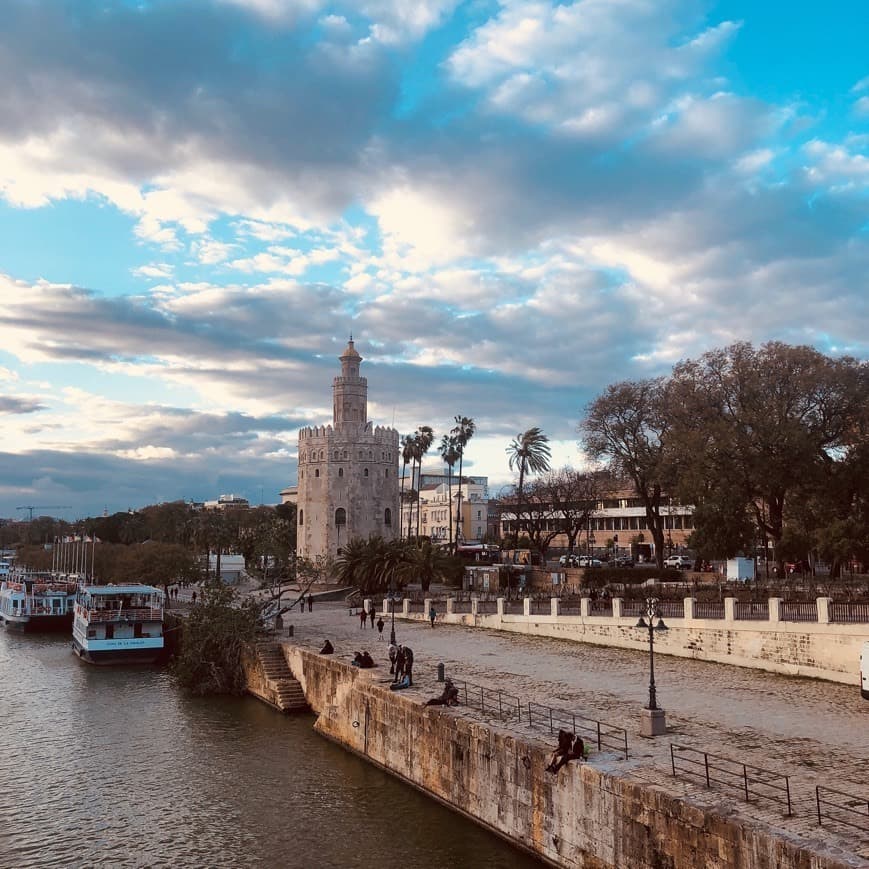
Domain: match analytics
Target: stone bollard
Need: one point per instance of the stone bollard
(823, 604)
(366, 605)
(440, 672)
(526, 606)
(475, 606)
(426, 607)
(451, 605)
(730, 609)
(555, 606)
(499, 604)
(688, 608)
(617, 607)
(775, 610)
(405, 606)
(584, 607)
(386, 606)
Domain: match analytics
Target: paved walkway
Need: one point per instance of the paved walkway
(815, 732)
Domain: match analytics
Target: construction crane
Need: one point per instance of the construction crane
(32, 507)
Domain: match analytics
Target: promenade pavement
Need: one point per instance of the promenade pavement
(813, 731)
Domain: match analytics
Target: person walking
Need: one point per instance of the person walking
(310, 603)
(380, 629)
(372, 614)
(408, 664)
(363, 618)
(194, 597)
(432, 614)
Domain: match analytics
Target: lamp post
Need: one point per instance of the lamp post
(653, 721)
(391, 598)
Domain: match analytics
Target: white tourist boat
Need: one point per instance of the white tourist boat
(117, 624)
(37, 601)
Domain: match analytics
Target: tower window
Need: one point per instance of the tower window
(387, 516)
(301, 517)
(317, 472)
(345, 454)
(340, 472)
(365, 473)
(340, 516)
(386, 472)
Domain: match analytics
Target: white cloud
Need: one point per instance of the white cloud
(154, 270)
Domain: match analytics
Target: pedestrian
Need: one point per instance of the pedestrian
(380, 629)
(408, 664)
(194, 597)
(372, 614)
(393, 653)
(363, 617)
(399, 664)
(432, 614)
(310, 603)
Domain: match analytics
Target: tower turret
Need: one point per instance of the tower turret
(349, 391)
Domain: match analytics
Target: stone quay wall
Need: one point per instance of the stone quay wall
(589, 816)
(816, 649)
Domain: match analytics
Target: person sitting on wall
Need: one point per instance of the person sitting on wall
(561, 755)
(449, 697)
(367, 661)
(357, 660)
(578, 750)
(404, 683)
(327, 649)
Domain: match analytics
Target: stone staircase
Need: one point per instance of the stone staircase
(288, 693)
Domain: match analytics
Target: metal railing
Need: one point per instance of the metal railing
(797, 611)
(133, 615)
(536, 716)
(708, 609)
(842, 808)
(462, 606)
(600, 608)
(758, 611)
(742, 779)
(847, 612)
(514, 607)
(485, 607)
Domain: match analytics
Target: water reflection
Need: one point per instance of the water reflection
(113, 767)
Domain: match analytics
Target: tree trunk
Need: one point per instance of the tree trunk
(450, 504)
(401, 499)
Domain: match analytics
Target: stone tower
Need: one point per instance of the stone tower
(348, 471)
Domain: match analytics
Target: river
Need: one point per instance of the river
(115, 767)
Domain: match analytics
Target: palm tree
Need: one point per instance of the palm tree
(430, 563)
(528, 451)
(462, 433)
(450, 455)
(406, 456)
(424, 440)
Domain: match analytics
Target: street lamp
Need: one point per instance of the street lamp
(653, 722)
(391, 599)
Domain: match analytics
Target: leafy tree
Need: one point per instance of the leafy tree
(430, 563)
(529, 451)
(723, 526)
(628, 426)
(215, 636)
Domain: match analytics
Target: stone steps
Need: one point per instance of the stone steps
(289, 695)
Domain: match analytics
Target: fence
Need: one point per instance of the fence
(708, 609)
(600, 608)
(747, 781)
(751, 611)
(842, 808)
(542, 718)
(849, 613)
(798, 611)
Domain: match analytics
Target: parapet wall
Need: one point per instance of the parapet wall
(588, 817)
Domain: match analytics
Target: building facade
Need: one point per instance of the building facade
(434, 508)
(348, 471)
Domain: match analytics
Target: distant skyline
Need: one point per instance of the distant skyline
(509, 204)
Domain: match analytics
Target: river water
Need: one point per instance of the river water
(115, 767)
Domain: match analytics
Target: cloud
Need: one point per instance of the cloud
(154, 270)
(14, 404)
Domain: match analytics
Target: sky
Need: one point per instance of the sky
(509, 204)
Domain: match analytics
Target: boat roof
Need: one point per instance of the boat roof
(133, 588)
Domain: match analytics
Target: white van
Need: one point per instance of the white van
(864, 672)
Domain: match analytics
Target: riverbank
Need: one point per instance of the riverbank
(590, 815)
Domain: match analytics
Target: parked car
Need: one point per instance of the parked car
(623, 561)
(682, 562)
(586, 561)
(569, 560)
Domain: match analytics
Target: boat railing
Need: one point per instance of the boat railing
(132, 614)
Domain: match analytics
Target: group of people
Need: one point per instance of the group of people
(371, 614)
(362, 660)
(401, 666)
(309, 600)
(570, 747)
(449, 696)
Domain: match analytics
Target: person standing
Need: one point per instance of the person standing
(372, 614)
(310, 602)
(363, 617)
(408, 664)
(380, 629)
(432, 614)
(393, 653)
(399, 664)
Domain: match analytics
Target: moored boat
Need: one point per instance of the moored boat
(118, 624)
(37, 601)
